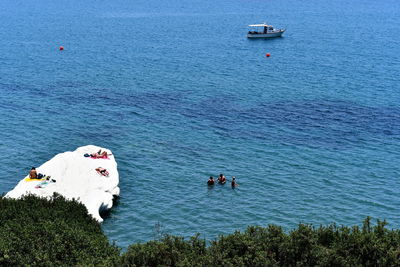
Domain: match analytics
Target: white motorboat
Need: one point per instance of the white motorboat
(264, 31)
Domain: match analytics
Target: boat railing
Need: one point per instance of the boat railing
(274, 31)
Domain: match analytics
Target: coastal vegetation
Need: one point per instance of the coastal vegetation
(39, 232)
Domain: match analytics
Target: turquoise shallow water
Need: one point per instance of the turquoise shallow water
(178, 93)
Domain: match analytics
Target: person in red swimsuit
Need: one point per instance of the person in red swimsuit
(99, 154)
(221, 179)
(211, 181)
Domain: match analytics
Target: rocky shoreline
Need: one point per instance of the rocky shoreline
(74, 176)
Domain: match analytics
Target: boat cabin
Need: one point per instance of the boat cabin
(261, 28)
(264, 31)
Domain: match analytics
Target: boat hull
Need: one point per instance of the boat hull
(265, 35)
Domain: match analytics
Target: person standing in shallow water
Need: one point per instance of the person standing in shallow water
(221, 179)
(233, 183)
(211, 181)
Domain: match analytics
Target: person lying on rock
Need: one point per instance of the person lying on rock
(100, 154)
(102, 171)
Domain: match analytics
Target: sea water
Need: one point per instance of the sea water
(178, 93)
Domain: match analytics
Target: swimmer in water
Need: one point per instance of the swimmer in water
(233, 183)
(211, 181)
(221, 179)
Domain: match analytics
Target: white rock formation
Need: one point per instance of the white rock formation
(75, 177)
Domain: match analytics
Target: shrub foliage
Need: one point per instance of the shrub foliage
(35, 231)
(38, 232)
(271, 246)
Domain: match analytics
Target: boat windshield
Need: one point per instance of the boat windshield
(262, 29)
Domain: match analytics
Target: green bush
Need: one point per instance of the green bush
(271, 246)
(38, 232)
(169, 251)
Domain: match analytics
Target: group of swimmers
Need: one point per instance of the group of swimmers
(221, 180)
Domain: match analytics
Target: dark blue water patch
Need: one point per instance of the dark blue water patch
(156, 100)
(12, 94)
(315, 123)
(336, 117)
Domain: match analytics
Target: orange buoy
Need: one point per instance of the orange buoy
(267, 54)
(61, 48)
